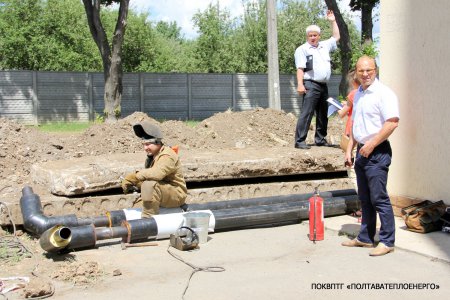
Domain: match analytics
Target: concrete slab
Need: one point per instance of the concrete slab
(98, 173)
(433, 244)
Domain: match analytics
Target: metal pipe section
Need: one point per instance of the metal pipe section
(161, 226)
(56, 237)
(37, 223)
(351, 193)
(69, 232)
(156, 227)
(351, 199)
(34, 220)
(276, 214)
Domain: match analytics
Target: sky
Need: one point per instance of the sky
(182, 12)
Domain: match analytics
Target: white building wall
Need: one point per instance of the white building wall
(415, 63)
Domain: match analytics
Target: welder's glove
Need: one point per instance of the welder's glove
(130, 183)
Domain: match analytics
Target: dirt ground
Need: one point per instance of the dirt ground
(21, 146)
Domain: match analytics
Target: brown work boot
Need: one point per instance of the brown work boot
(356, 243)
(381, 249)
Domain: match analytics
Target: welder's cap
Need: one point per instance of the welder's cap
(149, 132)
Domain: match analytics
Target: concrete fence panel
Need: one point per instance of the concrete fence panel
(32, 97)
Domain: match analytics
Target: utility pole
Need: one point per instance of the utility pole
(272, 44)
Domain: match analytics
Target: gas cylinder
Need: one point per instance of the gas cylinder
(316, 215)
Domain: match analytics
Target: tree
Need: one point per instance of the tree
(18, 26)
(344, 45)
(252, 36)
(66, 44)
(366, 7)
(212, 47)
(169, 30)
(111, 54)
(48, 35)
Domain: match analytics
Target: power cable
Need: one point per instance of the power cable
(195, 269)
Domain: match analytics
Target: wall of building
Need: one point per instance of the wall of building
(414, 62)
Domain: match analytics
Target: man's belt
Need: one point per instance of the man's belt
(360, 145)
(321, 83)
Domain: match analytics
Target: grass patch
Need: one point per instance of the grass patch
(74, 127)
(11, 250)
(191, 123)
(63, 127)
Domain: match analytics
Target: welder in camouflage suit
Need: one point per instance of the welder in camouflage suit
(161, 182)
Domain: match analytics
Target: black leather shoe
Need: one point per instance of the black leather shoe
(302, 145)
(324, 144)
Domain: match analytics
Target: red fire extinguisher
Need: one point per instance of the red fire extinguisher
(316, 215)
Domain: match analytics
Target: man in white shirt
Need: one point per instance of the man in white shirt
(375, 117)
(312, 60)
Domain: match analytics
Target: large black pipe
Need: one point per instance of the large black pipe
(225, 219)
(117, 217)
(36, 222)
(88, 235)
(60, 237)
(281, 213)
(269, 200)
(70, 232)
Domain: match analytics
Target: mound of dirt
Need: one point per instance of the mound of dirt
(21, 146)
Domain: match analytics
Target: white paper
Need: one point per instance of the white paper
(334, 102)
(334, 107)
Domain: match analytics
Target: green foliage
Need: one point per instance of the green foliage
(212, 47)
(139, 46)
(53, 35)
(117, 112)
(35, 35)
(369, 49)
(356, 5)
(169, 30)
(99, 118)
(16, 31)
(251, 37)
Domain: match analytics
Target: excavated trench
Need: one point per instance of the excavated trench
(217, 185)
(92, 185)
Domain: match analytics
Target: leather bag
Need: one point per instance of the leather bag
(344, 142)
(425, 216)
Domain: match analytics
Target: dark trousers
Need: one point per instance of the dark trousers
(314, 101)
(371, 176)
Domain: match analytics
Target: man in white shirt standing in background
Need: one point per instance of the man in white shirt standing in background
(312, 60)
